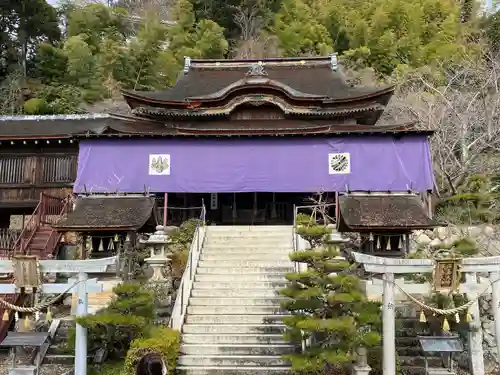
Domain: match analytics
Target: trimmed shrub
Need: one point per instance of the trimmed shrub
(162, 340)
(128, 317)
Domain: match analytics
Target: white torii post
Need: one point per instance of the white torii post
(470, 266)
(83, 287)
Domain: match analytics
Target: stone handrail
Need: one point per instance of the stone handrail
(187, 280)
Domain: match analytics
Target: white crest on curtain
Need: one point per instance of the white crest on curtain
(339, 163)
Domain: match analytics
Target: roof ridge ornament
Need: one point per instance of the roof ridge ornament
(334, 62)
(187, 64)
(256, 70)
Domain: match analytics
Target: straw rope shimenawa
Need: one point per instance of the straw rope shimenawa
(445, 312)
(35, 308)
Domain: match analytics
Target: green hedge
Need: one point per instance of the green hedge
(161, 340)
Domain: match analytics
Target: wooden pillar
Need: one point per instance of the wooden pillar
(83, 249)
(184, 212)
(255, 207)
(274, 213)
(407, 243)
(234, 212)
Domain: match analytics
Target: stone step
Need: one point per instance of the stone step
(267, 263)
(235, 319)
(246, 247)
(247, 286)
(216, 228)
(217, 256)
(246, 243)
(60, 359)
(235, 277)
(235, 292)
(206, 338)
(237, 349)
(233, 328)
(276, 270)
(234, 301)
(225, 360)
(234, 310)
(214, 370)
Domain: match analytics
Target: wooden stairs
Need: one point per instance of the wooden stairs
(37, 238)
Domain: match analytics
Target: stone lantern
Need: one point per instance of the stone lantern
(159, 259)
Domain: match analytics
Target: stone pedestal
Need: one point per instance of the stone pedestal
(361, 367)
(361, 370)
(24, 370)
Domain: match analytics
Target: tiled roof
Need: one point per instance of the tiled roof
(382, 211)
(110, 212)
(306, 78)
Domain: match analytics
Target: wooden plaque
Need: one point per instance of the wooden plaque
(447, 275)
(26, 271)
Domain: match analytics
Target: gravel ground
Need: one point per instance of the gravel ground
(49, 369)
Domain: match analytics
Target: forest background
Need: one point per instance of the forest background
(442, 55)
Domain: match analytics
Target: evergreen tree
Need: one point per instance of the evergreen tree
(328, 307)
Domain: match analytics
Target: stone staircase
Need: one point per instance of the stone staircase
(234, 321)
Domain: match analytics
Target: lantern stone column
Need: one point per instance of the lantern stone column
(361, 366)
(159, 259)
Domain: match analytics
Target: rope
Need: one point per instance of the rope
(444, 311)
(39, 307)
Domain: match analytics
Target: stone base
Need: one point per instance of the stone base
(27, 370)
(439, 371)
(361, 370)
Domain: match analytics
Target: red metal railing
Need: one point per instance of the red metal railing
(48, 211)
(53, 210)
(28, 231)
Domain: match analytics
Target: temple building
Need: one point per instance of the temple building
(249, 138)
(252, 138)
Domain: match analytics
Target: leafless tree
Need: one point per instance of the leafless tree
(464, 111)
(254, 44)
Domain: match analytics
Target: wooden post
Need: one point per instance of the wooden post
(165, 201)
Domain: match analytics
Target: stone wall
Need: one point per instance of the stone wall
(487, 238)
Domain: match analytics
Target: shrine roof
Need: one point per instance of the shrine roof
(382, 211)
(101, 213)
(19, 128)
(308, 78)
(56, 126)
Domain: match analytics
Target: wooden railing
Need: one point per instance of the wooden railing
(8, 238)
(61, 207)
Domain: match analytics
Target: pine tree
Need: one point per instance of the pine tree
(328, 307)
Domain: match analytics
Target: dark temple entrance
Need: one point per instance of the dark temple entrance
(234, 208)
